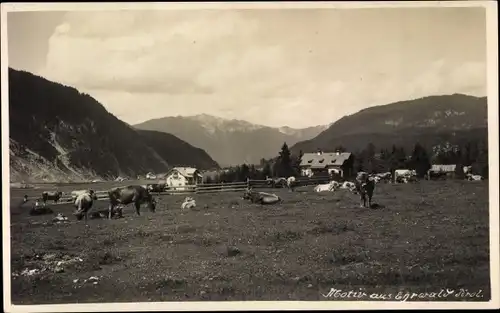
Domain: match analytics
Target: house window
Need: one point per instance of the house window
(321, 161)
(175, 175)
(310, 161)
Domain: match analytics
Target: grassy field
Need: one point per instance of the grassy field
(423, 237)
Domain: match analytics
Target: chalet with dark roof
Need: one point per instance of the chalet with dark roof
(339, 163)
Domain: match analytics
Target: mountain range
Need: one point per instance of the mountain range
(230, 141)
(60, 134)
(431, 121)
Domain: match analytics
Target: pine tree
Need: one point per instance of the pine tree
(358, 162)
(459, 169)
(252, 172)
(244, 172)
(481, 164)
(369, 158)
(397, 159)
(266, 171)
(401, 158)
(385, 156)
(420, 161)
(262, 162)
(285, 162)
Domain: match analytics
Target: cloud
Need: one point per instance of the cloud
(295, 67)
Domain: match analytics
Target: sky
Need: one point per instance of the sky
(293, 67)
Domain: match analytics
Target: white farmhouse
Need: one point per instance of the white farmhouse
(327, 162)
(183, 176)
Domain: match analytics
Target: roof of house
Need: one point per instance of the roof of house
(443, 167)
(324, 159)
(186, 171)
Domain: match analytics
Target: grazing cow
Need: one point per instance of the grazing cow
(156, 187)
(471, 177)
(404, 175)
(279, 182)
(51, 195)
(331, 186)
(282, 182)
(74, 194)
(83, 203)
(261, 197)
(467, 170)
(291, 182)
(365, 185)
(130, 194)
(385, 176)
(348, 185)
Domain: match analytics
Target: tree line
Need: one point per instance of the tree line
(371, 160)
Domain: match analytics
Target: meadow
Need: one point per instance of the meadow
(422, 237)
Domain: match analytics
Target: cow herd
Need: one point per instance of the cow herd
(83, 200)
(364, 185)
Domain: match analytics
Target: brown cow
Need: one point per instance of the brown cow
(158, 188)
(83, 204)
(261, 197)
(365, 185)
(51, 195)
(130, 194)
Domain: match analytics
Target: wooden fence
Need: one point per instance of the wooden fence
(209, 188)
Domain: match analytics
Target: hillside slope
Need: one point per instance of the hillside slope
(176, 151)
(60, 134)
(230, 142)
(431, 121)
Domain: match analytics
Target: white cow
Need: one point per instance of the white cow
(382, 176)
(472, 177)
(76, 193)
(83, 203)
(331, 186)
(404, 175)
(291, 183)
(188, 203)
(348, 185)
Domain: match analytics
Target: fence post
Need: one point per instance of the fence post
(248, 183)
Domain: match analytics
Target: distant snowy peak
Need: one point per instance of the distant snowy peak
(302, 131)
(218, 124)
(213, 124)
(230, 141)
